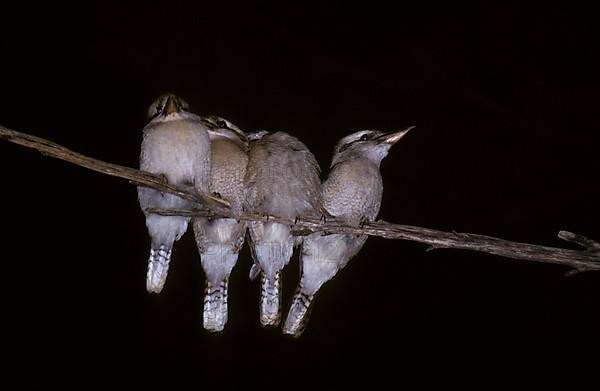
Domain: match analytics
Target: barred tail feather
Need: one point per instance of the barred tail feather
(270, 309)
(298, 314)
(158, 268)
(215, 306)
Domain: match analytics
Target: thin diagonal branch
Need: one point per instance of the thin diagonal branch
(136, 177)
(579, 260)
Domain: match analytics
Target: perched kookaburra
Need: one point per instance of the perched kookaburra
(176, 146)
(220, 240)
(282, 179)
(352, 193)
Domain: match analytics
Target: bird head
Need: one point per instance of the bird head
(218, 126)
(373, 145)
(166, 105)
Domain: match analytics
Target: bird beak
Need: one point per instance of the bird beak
(393, 137)
(256, 135)
(170, 106)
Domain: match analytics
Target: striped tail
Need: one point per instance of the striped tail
(158, 268)
(298, 314)
(270, 309)
(215, 306)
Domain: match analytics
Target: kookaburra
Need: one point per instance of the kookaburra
(176, 146)
(352, 194)
(282, 179)
(220, 240)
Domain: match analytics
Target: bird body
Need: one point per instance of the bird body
(176, 146)
(282, 179)
(352, 193)
(351, 203)
(220, 240)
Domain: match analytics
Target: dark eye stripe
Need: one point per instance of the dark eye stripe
(364, 137)
(345, 146)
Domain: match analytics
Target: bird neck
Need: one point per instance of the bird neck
(370, 158)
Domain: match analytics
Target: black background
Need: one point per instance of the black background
(506, 107)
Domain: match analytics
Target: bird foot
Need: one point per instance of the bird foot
(163, 178)
(364, 221)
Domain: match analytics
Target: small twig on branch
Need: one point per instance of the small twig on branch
(589, 244)
(578, 260)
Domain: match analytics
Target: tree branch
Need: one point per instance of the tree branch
(136, 177)
(579, 260)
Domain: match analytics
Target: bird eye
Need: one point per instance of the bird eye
(364, 137)
(222, 124)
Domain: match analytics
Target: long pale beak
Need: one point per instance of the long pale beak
(393, 137)
(170, 106)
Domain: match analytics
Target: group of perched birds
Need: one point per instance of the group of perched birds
(272, 174)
